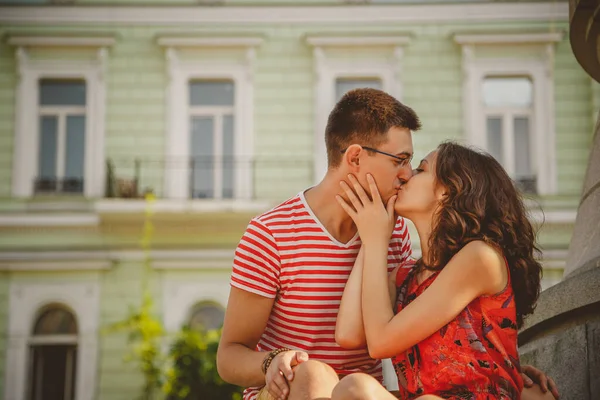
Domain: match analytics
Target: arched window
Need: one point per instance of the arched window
(206, 315)
(53, 355)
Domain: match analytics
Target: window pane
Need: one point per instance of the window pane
(75, 154)
(47, 150)
(228, 157)
(494, 137)
(75, 146)
(62, 93)
(207, 316)
(55, 321)
(344, 85)
(202, 153)
(512, 92)
(53, 372)
(522, 147)
(211, 93)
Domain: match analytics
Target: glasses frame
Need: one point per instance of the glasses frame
(403, 161)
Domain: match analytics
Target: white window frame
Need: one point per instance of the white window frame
(328, 70)
(30, 72)
(217, 113)
(180, 296)
(25, 302)
(539, 70)
(180, 73)
(508, 115)
(61, 113)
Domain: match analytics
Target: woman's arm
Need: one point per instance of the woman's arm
(349, 328)
(477, 269)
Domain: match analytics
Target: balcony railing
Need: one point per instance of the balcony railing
(46, 185)
(209, 177)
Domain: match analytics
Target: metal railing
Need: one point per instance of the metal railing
(208, 177)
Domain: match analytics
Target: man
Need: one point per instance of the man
(292, 263)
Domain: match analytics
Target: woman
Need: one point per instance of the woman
(459, 307)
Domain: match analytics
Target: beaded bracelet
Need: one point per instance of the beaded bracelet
(269, 358)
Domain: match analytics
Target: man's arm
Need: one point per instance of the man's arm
(246, 317)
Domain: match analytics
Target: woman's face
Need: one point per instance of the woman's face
(421, 195)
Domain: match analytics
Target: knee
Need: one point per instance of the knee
(356, 386)
(311, 370)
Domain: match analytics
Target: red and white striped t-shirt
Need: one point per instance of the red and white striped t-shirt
(288, 255)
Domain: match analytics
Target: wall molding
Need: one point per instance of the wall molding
(30, 71)
(327, 69)
(25, 301)
(180, 71)
(539, 68)
(414, 14)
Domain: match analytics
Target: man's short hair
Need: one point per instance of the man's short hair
(364, 116)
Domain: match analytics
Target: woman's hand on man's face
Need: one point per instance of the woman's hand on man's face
(374, 220)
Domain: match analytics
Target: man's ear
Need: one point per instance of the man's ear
(352, 156)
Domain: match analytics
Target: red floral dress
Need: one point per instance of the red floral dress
(473, 357)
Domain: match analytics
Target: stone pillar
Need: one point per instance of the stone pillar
(562, 338)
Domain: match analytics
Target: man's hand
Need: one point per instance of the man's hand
(281, 371)
(532, 375)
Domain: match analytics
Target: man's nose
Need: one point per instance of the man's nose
(405, 173)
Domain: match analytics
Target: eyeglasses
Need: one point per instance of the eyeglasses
(404, 161)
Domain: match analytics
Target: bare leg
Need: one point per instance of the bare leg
(313, 380)
(360, 387)
(535, 393)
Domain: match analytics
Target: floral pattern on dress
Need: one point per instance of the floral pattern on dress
(472, 357)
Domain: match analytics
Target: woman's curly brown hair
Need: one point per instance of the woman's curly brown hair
(482, 203)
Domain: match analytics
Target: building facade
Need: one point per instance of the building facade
(142, 130)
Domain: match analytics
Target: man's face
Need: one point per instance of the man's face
(389, 172)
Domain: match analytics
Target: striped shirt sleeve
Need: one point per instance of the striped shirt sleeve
(256, 264)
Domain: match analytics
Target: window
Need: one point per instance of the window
(212, 160)
(343, 63)
(60, 115)
(344, 85)
(508, 109)
(508, 103)
(206, 316)
(52, 324)
(61, 144)
(53, 355)
(210, 118)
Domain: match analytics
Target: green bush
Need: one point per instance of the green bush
(193, 371)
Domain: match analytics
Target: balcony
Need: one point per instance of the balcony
(210, 178)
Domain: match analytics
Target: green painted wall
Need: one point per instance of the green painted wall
(7, 116)
(4, 295)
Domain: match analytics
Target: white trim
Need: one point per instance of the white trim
(39, 220)
(180, 296)
(27, 121)
(25, 301)
(540, 70)
(166, 41)
(191, 264)
(60, 41)
(182, 205)
(509, 38)
(343, 41)
(180, 72)
(52, 339)
(124, 255)
(426, 13)
(327, 70)
(81, 265)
